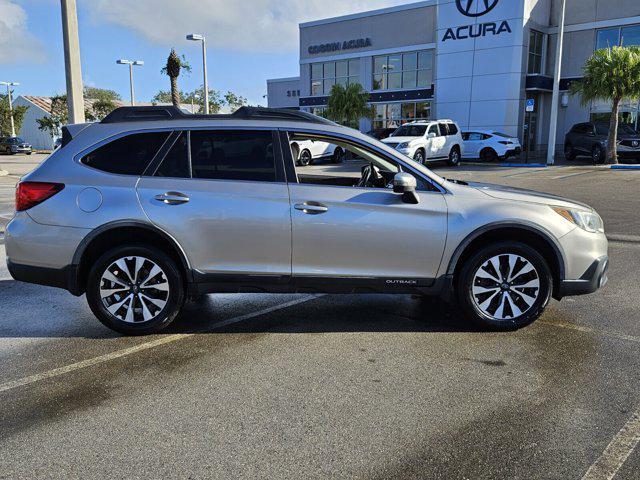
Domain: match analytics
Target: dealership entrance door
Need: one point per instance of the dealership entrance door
(531, 122)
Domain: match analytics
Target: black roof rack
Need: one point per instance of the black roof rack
(153, 113)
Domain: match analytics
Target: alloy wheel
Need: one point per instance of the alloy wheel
(505, 286)
(419, 157)
(134, 289)
(305, 158)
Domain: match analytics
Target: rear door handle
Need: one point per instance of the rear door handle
(311, 208)
(172, 198)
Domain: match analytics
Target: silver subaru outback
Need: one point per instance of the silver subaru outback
(152, 206)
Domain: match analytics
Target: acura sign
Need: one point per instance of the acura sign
(337, 46)
(476, 8)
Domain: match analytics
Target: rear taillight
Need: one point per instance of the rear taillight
(504, 142)
(30, 194)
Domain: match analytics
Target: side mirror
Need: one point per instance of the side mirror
(405, 184)
(431, 135)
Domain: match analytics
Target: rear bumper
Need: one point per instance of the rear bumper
(594, 278)
(51, 277)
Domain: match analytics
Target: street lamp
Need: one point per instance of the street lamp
(196, 37)
(9, 85)
(131, 63)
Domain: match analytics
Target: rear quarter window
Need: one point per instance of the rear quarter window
(129, 155)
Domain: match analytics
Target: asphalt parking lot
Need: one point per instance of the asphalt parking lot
(302, 386)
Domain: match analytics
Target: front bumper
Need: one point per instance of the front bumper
(594, 278)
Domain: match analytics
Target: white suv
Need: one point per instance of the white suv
(429, 141)
(306, 151)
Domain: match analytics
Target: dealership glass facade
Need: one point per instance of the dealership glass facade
(618, 36)
(403, 70)
(326, 74)
(395, 114)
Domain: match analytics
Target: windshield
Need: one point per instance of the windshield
(16, 140)
(624, 129)
(410, 131)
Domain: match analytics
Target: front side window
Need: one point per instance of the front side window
(233, 155)
(402, 71)
(129, 155)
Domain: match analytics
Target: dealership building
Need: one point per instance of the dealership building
(478, 62)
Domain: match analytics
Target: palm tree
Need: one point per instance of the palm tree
(611, 74)
(172, 69)
(348, 104)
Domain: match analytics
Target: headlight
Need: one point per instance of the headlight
(404, 145)
(588, 221)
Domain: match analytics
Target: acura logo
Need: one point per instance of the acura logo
(466, 7)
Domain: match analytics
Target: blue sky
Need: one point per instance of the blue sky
(248, 41)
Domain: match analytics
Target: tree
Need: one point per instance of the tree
(104, 94)
(102, 107)
(57, 118)
(348, 104)
(235, 101)
(610, 74)
(5, 119)
(172, 69)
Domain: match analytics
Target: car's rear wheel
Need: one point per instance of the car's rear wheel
(454, 157)
(488, 155)
(597, 155)
(569, 152)
(135, 290)
(505, 286)
(305, 158)
(419, 156)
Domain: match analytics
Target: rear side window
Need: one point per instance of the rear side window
(444, 131)
(128, 155)
(176, 162)
(233, 155)
(452, 129)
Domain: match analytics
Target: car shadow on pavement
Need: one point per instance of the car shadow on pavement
(334, 314)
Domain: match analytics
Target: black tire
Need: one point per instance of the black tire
(598, 155)
(162, 318)
(28, 153)
(488, 155)
(420, 156)
(305, 158)
(473, 266)
(337, 155)
(454, 157)
(569, 152)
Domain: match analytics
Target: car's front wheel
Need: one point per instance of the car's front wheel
(505, 286)
(454, 157)
(135, 290)
(569, 152)
(305, 158)
(598, 155)
(419, 156)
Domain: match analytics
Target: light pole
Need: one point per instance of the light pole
(9, 85)
(131, 63)
(553, 124)
(73, 68)
(197, 37)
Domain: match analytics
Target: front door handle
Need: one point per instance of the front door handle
(311, 208)
(172, 198)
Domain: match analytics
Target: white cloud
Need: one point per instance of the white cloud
(246, 25)
(16, 43)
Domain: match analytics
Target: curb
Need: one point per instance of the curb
(524, 165)
(625, 167)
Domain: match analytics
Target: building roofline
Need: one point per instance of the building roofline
(370, 13)
(283, 79)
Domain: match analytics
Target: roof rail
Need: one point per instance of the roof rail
(157, 113)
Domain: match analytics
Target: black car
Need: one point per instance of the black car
(591, 139)
(12, 145)
(380, 133)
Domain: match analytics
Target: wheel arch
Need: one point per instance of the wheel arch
(122, 232)
(532, 235)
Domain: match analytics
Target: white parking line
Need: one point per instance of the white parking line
(56, 372)
(528, 171)
(560, 177)
(617, 452)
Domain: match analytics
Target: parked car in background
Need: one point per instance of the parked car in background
(590, 139)
(380, 133)
(307, 151)
(13, 145)
(490, 146)
(429, 141)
